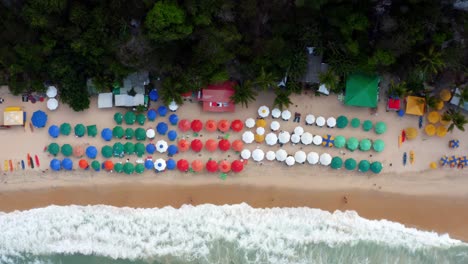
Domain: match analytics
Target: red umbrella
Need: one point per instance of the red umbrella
(212, 166)
(237, 166)
(224, 145)
(183, 165)
(211, 125)
(223, 125)
(224, 166)
(196, 125)
(183, 145)
(237, 145)
(78, 151)
(83, 164)
(237, 125)
(197, 165)
(184, 125)
(196, 145)
(108, 165)
(211, 145)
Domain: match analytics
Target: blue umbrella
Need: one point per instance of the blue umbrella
(67, 164)
(172, 135)
(443, 160)
(170, 164)
(150, 148)
(401, 112)
(39, 119)
(149, 164)
(173, 119)
(54, 131)
(162, 110)
(55, 164)
(162, 128)
(172, 150)
(154, 95)
(91, 152)
(152, 115)
(106, 134)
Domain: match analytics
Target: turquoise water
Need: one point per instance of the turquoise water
(215, 234)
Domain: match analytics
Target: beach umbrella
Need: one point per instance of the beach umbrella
(211, 125)
(275, 113)
(96, 165)
(106, 151)
(53, 148)
(170, 164)
(182, 165)
(237, 166)
(453, 160)
(454, 143)
(67, 164)
(439, 105)
(263, 111)
(259, 138)
(106, 134)
(224, 125)
(350, 164)
(364, 165)
(118, 117)
(91, 152)
(172, 135)
(281, 155)
(91, 130)
(65, 129)
(196, 125)
(275, 126)
(443, 161)
(173, 119)
(433, 117)
(271, 139)
(258, 155)
(224, 166)
(317, 140)
(139, 149)
(108, 165)
(300, 156)
(365, 144)
(183, 145)
(310, 119)
(290, 161)
(118, 149)
(312, 158)
(245, 154)
(270, 155)
(331, 122)
(325, 159)
(211, 166)
(128, 168)
(78, 151)
(380, 127)
(152, 115)
(295, 138)
(161, 146)
(284, 137)
(307, 138)
(286, 115)
(160, 165)
(299, 130)
(261, 123)
(153, 95)
(141, 118)
(367, 125)
(463, 160)
(140, 134)
(184, 125)
(66, 150)
(39, 119)
(320, 121)
(445, 95)
(118, 132)
(197, 165)
(260, 131)
(162, 110)
(172, 150)
(411, 133)
(237, 145)
(336, 163)
(80, 130)
(130, 118)
(248, 137)
(118, 167)
(237, 126)
(150, 133)
(150, 148)
(173, 106)
(196, 145)
(441, 131)
(341, 121)
(55, 164)
(433, 165)
(54, 131)
(250, 122)
(376, 167)
(430, 129)
(355, 122)
(379, 145)
(139, 168)
(340, 141)
(162, 128)
(129, 133)
(328, 141)
(211, 145)
(149, 164)
(352, 143)
(51, 91)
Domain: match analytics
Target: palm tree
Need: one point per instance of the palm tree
(431, 62)
(282, 98)
(463, 96)
(265, 80)
(244, 93)
(398, 89)
(456, 118)
(330, 80)
(431, 101)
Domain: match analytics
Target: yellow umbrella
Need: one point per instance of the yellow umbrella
(259, 138)
(441, 131)
(411, 133)
(433, 117)
(444, 123)
(433, 165)
(430, 130)
(439, 105)
(261, 123)
(445, 95)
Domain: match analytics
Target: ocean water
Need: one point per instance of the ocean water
(215, 234)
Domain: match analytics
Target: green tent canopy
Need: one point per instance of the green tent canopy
(129, 148)
(118, 167)
(355, 122)
(53, 149)
(379, 145)
(364, 165)
(352, 143)
(341, 122)
(336, 163)
(362, 90)
(118, 149)
(365, 145)
(139, 168)
(140, 149)
(67, 150)
(141, 118)
(350, 164)
(80, 130)
(118, 132)
(367, 125)
(140, 134)
(376, 167)
(129, 133)
(380, 127)
(129, 118)
(96, 165)
(118, 117)
(340, 141)
(92, 130)
(106, 151)
(129, 168)
(65, 129)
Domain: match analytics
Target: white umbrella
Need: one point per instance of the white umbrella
(276, 113)
(51, 91)
(286, 115)
(295, 138)
(317, 140)
(310, 119)
(300, 156)
(258, 155)
(290, 161)
(320, 121)
(173, 106)
(306, 138)
(271, 139)
(331, 122)
(260, 131)
(270, 155)
(299, 130)
(275, 125)
(150, 133)
(250, 122)
(245, 154)
(248, 137)
(325, 159)
(281, 154)
(313, 158)
(161, 146)
(52, 104)
(160, 165)
(263, 111)
(284, 137)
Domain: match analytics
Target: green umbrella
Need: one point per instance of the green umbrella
(118, 117)
(130, 118)
(95, 165)
(141, 118)
(364, 165)
(118, 149)
(365, 144)
(336, 163)
(65, 129)
(129, 148)
(355, 122)
(118, 132)
(139, 168)
(350, 164)
(340, 141)
(106, 151)
(128, 168)
(367, 125)
(53, 149)
(380, 127)
(140, 149)
(352, 143)
(140, 134)
(129, 133)
(376, 167)
(341, 122)
(67, 150)
(92, 130)
(118, 167)
(80, 130)
(379, 145)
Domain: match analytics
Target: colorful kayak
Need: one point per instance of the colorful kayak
(403, 136)
(411, 157)
(29, 160)
(404, 159)
(11, 165)
(37, 161)
(5, 165)
(400, 141)
(22, 164)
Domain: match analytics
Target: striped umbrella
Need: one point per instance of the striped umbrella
(453, 160)
(463, 161)
(328, 141)
(443, 161)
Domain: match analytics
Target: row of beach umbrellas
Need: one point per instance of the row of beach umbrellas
(131, 117)
(351, 164)
(211, 145)
(197, 125)
(139, 134)
(79, 130)
(453, 160)
(210, 166)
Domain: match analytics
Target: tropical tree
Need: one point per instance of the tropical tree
(171, 90)
(431, 101)
(463, 96)
(244, 93)
(282, 98)
(456, 119)
(431, 62)
(330, 80)
(265, 80)
(166, 21)
(397, 89)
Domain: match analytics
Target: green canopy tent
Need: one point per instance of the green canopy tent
(67, 150)
(139, 168)
(96, 165)
(355, 122)
(362, 90)
(80, 130)
(352, 143)
(118, 167)
(53, 149)
(92, 130)
(129, 148)
(129, 168)
(140, 134)
(380, 127)
(340, 141)
(118, 117)
(336, 163)
(376, 167)
(350, 164)
(65, 129)
(130, 118)
(118, 132)
(118, 149)
(107, 151)
(365, 145)
(341, 122)
(367, 125)
(364, 166)
(141, 118)
(379, 145)
(129, 133)
(140, 149)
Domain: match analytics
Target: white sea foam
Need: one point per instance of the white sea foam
(191, 232)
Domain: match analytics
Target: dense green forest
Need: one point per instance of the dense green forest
(191, 43)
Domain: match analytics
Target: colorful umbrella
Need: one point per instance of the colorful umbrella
(80, 130)
(106, 151)
(184, 125)
(263, 111)
(352, 143)
(224, 166)
(67, 150)
(237, 145)
(172, 135)
(118, 167)
(463, 161)
(433, 117)
(281, 155)
(300, 156)
(261, 123)
(139, 168)
(150, 148)
(379, 145)
(173, 119)
(453, 160)
(153, 95)
(160, 165)
(170, 164)
(258, 155)
(141, 118)
(53, 149)
(39, 119)
(310, 119)
(65, 129)
(411, 133)
(443, 161)
(445, 95)
(367, 125)
(237, 125)
(245, 154)
(380, 128)
(212, 166)
(441, 131)
(328, 141)
(118, 149)
(83, 164)
(355, 122)
(78, 151)
(224, 125)
(118, 132)
(67, 164)
(151, 115)
(454, 143)
(211, 145)
(249, 122)
(161, 146)
(54, 131)
(150, 133)
(224, 145)
(237, 166)
(376, 167)
(129, 118)
(197, 165)
(162, 128)
(91, 130)
(108, 165)
(365, 145)
(350, 164)
(196, 125)
(183, 145)
(430, 130)
(129, 148)
(336, 163)
(129, 133)
(211, 125)
(106, 134)
(162, 110)
(196, 145)
(129, 168)
(140, 134)
(364, 165)
(96, 165)
(55, 164)
(341, 121)
(139, 149)
(271, 139)
(118, 117)
(149, 164)
(340, 141)
(290, 161)
(276, 113)
(312, 158)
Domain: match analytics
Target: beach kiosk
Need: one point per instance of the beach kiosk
(13, 116)
(362, 90)
(105, 100)
(217, 97)
(415, 105)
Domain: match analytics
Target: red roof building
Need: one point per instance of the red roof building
(217, 97)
